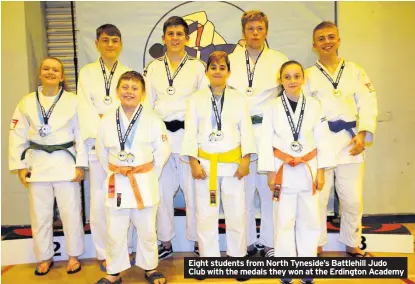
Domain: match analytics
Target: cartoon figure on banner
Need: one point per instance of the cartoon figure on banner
(204, 39)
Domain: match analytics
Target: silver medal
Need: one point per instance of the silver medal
(249, 91)
(45, 130)
(219, 135)
(130, 158)
(212, 137)
(41, 133)
(171, 90)
(107, 100)
(122, 156)
(296, 146)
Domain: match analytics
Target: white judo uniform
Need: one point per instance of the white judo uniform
(171, 108)
(265, 87)
(296, 214)
(356, 102)
(91, 93)
(149, 144)
(51, 174)
(238, 132)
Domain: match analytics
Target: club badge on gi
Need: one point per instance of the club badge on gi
(249, 91)
(296, 146)
(130, 158)
(171, 90)
(45, 130)
(107, 100)
(122, 156)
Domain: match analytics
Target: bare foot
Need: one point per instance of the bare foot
(73, 264)
(44, 266)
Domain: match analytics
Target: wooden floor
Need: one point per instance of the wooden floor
(173, 269)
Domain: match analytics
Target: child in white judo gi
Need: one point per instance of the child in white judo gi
(171, 80)
(294, 151)
(96, 95)
(47, 150)
(132, 147)
(349, 103)
(219, 140)
(255, 68)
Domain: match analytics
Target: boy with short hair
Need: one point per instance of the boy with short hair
(350, 105)
(254, 73)
(96, 96)
(171, 80)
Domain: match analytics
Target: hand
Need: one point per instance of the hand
(197, 170)
(271, 180)
(243, 169)
(22, 173)
(358, 143)
(79, 175)
(320, 180)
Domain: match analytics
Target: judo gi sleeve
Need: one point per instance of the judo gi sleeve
(18, 142)
(162, 148)
(80, 147)
(367, 106)
(248, 145)
(326, 157)
(87, 114)
(102, 152)
(266, 160)
(190, 145)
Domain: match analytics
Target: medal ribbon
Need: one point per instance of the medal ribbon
(166, 65)
(130, 126)
(339, 75)
(108, 80)
(215, 108)
(47, 115)
(248, 67)
(294, 131)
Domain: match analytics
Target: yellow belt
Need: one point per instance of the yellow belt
(232, 156)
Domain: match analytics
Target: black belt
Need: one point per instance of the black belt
(256, 119)
(49, 149)
(174, 125)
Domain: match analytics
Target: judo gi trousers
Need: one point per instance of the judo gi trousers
(296, 223)
(231, 192)
(68, 198)
(176, 173)
(349, 187)
(256, 181)
(118, 222)
(97, 210)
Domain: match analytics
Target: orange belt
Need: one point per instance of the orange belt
(128, 172)
(293, 162)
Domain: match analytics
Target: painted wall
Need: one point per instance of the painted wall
(380, 36)
(23, 45)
